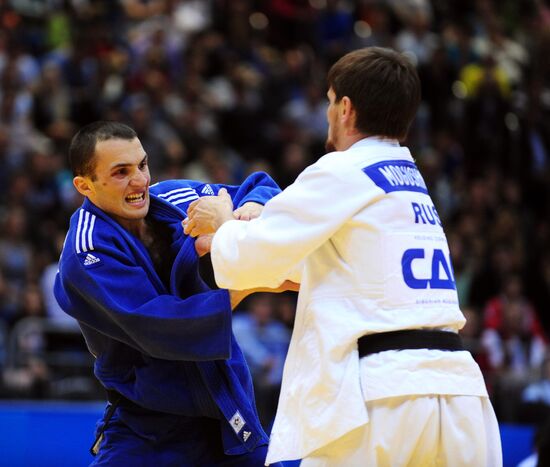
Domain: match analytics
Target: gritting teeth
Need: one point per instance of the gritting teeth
(135, 197)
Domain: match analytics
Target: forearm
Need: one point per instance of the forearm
(236, 296)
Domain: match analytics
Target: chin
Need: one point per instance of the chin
(138, 213)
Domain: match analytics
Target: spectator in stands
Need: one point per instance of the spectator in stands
(15, 250)
(25, 373)
(515, 347)
(416, 38)
(52, 104)
(53, 311)
(537, 393)
(29, 380)
(285, 309)
(8, 302)
(471, 333)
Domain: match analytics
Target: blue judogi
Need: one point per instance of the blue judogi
(167, 347)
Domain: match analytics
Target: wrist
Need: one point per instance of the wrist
(226, 217)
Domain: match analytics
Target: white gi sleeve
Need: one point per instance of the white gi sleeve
(266, 251)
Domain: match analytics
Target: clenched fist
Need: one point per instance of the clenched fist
(208, 213)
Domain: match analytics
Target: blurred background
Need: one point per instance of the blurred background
(217, 89)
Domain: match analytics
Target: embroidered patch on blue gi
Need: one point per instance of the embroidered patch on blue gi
(237, 422)
(396, 176)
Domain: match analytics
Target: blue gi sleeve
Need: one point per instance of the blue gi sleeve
(258, 187)
(117, 298)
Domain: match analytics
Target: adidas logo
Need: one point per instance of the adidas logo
(246, 435)
(207, 190)
(90, 259)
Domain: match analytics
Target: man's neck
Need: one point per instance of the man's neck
(349, 140)
(372, 138)
(138, 228)
(156, 236)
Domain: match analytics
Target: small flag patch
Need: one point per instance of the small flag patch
(237, 422)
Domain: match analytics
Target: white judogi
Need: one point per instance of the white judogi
(375, 259)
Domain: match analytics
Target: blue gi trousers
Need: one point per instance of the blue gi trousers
(136, 437)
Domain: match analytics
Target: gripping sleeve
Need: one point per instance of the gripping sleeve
(258, 187)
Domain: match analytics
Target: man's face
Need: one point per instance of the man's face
(121, 184)
(333, 122)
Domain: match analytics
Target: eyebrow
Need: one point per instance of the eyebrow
(126, 164)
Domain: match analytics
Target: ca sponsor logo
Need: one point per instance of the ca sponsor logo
(441, 275)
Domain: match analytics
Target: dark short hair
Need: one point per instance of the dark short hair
(383, 87)
(83, 144)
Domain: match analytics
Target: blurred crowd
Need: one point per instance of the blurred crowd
(217, 89)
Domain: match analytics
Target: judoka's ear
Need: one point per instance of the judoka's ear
(83, 185)
(348, 115)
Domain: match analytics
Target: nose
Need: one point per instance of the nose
(140, 179)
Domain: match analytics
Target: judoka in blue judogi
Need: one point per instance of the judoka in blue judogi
(177, 380)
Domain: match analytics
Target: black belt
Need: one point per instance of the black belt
(409, 339)
(118, 399)
(115, 400)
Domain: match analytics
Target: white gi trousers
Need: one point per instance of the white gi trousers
(423, 431)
